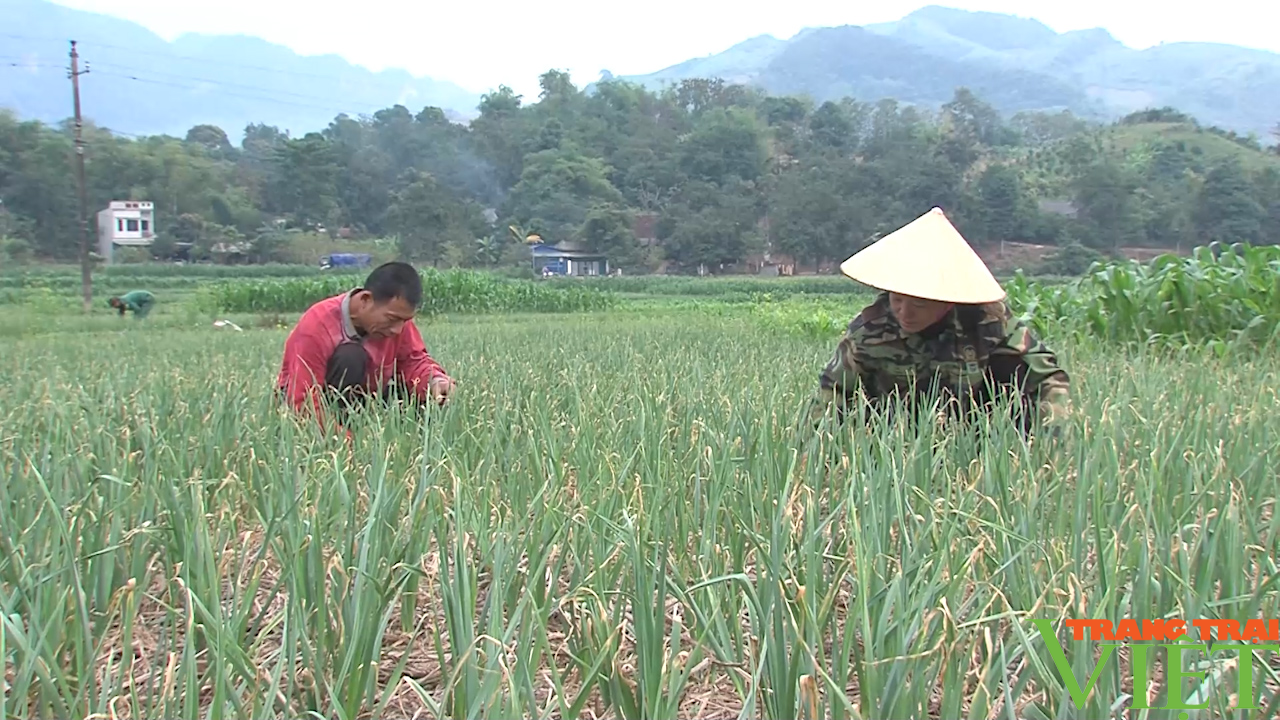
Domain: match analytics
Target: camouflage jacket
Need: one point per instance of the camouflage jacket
(965, 356)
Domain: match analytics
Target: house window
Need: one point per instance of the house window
(120, 224)
(132, 224)
(145, 226)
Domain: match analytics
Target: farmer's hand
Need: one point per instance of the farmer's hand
(441, 388)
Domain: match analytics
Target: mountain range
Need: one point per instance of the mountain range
(141, 84)
(1014, 63)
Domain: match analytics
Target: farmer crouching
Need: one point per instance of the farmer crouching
(139, 302)
(363, 344)
(939, 330)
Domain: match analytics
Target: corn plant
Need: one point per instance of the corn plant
(1220, 298)
(450, 291)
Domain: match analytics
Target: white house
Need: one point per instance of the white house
(126, 223)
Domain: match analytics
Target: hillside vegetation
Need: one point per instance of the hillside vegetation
(705, 177)
(1015, 63)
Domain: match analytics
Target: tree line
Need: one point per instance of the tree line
(715, 173)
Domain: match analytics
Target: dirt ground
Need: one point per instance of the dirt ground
(1013, 255)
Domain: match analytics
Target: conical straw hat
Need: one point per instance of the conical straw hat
(927, 258)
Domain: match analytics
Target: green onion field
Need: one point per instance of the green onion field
(618, 514)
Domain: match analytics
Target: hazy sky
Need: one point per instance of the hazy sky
(482, 44)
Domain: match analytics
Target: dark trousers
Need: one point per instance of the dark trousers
(344, 381)
(971, 409)
(1004, 375)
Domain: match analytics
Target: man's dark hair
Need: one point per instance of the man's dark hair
(395, 280)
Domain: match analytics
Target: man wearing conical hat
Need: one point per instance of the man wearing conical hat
(940, 329)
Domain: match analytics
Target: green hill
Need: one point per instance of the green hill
(1211, 146)
(1164, 149)
(1016, 64)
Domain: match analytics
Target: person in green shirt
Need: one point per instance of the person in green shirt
(941, 322)
(139, 301)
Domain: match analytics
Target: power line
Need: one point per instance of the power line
(223, 83)
(262, 98)
(173, 56)
(28, 65)
(231, 94)
(206, 61)
(126, 134)
(269, 97)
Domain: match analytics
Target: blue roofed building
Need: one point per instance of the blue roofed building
(569, 259)
(351, 260)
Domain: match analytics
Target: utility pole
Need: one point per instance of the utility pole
(86, 272)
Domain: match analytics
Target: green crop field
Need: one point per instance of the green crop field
(617, 517)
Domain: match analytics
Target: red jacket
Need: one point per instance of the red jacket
(322, 328)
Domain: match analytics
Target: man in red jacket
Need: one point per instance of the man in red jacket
(361, 343)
